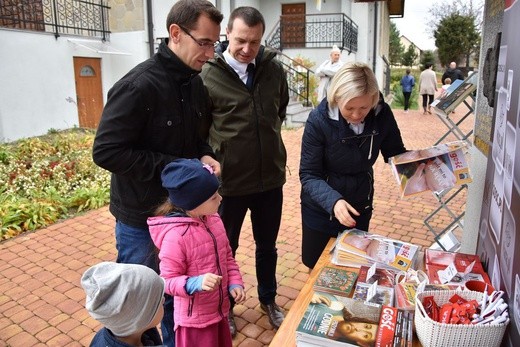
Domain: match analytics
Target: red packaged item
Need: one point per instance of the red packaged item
(431, 308)
(445, 312)
(457, 299)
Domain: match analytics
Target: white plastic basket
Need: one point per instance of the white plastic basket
(435, 334)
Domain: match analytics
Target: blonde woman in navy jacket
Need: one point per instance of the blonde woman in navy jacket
(341, 142)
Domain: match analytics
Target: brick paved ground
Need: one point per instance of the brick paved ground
(41, 301)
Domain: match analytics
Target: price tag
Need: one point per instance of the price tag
(371, 292)
(447, 274)
(469, 269)
(371, 272)
(421, 286)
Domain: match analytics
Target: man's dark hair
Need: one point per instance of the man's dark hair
(428, 65)
(250, 15)
(186, 13)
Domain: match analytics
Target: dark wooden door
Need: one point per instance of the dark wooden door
(292, 23)
(89, 96)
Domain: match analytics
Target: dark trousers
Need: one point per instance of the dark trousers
(427, 99)
(407, 100)
(266, 214)
(314, 241)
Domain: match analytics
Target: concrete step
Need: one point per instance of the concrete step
(297, 114)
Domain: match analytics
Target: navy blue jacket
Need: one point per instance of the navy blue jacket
(105, 338)
(407, 82)
(337, 164)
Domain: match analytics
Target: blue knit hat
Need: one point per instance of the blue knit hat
(189, 183)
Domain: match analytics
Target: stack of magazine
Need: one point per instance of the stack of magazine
(335, 320)
(358, 248)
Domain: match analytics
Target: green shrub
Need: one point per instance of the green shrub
(397, 91)
(49, 178)
(398, 98)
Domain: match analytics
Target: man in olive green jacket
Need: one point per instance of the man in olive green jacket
(249, 96)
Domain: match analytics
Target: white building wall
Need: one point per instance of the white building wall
(37, 90)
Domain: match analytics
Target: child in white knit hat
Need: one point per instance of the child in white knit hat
(196, 260)
(128, 300)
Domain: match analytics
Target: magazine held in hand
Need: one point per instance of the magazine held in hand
(435, 169)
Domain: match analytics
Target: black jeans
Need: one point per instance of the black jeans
(427, 99)
(407, 100)
(266, 214)
(314, 241)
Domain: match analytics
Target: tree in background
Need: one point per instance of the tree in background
(396, 47)
(456, 36)
(409, 57)
(427, 57)
(471, 11)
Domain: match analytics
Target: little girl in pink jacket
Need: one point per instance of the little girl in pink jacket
(196, 261)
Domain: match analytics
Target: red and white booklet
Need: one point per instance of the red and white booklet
(453, 268)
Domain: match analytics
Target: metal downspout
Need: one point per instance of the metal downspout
(375, 39)
(149, 17)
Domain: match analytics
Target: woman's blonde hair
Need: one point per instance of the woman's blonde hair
(351, 81)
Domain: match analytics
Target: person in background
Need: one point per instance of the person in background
(326, 71)
(341, 142)
(427, 86)
(445, 86)
(128, 300)
(152, 117)
(407, 84)
(452, 72)
(196, 261)
(249, 96)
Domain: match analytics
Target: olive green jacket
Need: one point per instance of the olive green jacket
(245, 126)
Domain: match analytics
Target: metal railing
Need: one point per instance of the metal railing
(298, 77)
(314, 31)
(71, 17)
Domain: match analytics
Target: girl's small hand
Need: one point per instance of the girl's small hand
(238, 294)
(215, 165)
(210, 281)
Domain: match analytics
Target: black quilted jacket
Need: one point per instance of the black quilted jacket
(336, 163)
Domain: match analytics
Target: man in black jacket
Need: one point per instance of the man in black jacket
(453, 73)
(152, 117)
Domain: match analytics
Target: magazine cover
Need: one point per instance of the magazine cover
(388, 253)
(384, 277)
(454, 96)
(391, 327)
(435, 169)
(333, 320)
(335, 281)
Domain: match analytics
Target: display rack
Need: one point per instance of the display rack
(445, 238)
(454, 127)
(459, 93)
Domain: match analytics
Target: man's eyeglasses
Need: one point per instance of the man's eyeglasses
(203, 44)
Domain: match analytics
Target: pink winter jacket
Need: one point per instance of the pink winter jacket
(192, 247)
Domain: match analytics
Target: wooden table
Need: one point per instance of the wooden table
(286, 334)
